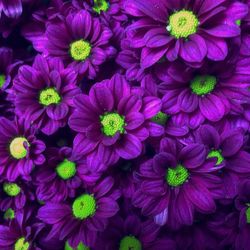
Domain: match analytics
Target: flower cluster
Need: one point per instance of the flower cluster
(124, 124)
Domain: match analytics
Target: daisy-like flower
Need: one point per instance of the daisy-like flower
(191, 30)
(20, 150)
(209, 93)
(226, 146)
(175, 183)
(110, 13)
(15, 195)
(111, 121)
(22, 232)
(59, 179)
(84, 217)
(80, 40)
(44, 93)
(128, 233)
(107, 9)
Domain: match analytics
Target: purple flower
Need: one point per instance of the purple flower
(209, 93)
(80, 220)
(22, 232)
(128, 233)
(162, 123)
(79, 40)
(226, 146)
(175, 183)
(58, 179)
(20, 150)
(242, 202)
(190, 30)
(6, 67)
(15, 195)
(44, 93)
(12, 9)
(111, 121)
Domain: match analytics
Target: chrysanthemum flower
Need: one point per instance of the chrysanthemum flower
(80, 40)
(208, 93)
(59, 178)
(80, 220)
(20, 150)
(226, 146)
(128, 233)
(111, 121)
(22, 232)
(191, 30)
(44, 93)
(175, 183)
(15, 195)
(110, 13)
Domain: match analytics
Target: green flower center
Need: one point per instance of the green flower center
(216, 154)
(21, 244)
(17, 148)
(2, 80)
(183, 24)
(100, 5)
(202, 85)
(130, 243)
(161, 118)
(11, 189)
(248, 215)
(112, 123)
(84, 206)
(49, 96)
(176, 176)
(66, 169)
(9, 214)
(81, 246)
(238, 22)
(80, 50)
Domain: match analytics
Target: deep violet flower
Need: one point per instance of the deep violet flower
(22, 231)
(191, 30)
(110, 13)
(128, 233)
(226, 146)
(44, 93)
(80, 220)
(79, 40)
(58, 179)
(209, 93)
(242, 202)
(162, 123)
(111, 121)
(12, 9)
(20, 150)
(176, 182)
(15, 195)
(6, 66)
